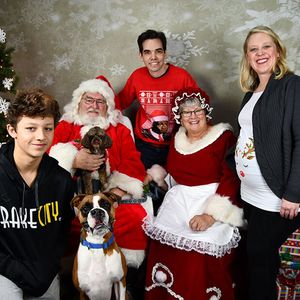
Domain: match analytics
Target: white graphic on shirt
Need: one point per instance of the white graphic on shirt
(29, 217)
(243, 154)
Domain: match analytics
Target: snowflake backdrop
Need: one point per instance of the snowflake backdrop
(58, 44)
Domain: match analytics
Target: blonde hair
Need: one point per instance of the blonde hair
(249, 80)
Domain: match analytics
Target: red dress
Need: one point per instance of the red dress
(185, 264)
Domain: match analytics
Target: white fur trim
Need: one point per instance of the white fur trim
(126, 121)
(158, 174)
(65, 154)
(128, 184)
(183, 146)
(221, 209)
(134, 258)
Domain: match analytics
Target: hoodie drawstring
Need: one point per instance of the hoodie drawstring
(23, 200)
(36, 196)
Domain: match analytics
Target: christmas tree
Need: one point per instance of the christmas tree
(8, 81)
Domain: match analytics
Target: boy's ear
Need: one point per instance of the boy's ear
(11, 131)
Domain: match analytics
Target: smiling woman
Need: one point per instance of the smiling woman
(267, 156)
(191, 234)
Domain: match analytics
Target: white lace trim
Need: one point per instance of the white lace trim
(159, 280)
(187, 244)
(216, 290)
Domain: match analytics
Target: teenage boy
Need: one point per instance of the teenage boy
(154, 86)
(35, 195)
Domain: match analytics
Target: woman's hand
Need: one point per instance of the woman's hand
(85, 160)
(289, 210)
(201, 222)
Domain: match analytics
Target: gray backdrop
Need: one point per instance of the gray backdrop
(59, 43)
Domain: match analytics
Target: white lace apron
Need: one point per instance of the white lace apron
(171, 226)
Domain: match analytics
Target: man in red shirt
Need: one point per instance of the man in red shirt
(154, 86)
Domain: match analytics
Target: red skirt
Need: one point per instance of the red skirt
(177, 274)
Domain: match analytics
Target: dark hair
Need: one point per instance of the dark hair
(32, 103)
(151, 35)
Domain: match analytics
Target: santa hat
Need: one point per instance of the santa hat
(158, 116)
(117, 100)
(99, 85)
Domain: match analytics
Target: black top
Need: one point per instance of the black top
(276, 131)
(34, 222)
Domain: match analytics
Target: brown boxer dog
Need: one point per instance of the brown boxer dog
(99, 266)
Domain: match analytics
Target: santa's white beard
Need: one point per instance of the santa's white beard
(87, 120)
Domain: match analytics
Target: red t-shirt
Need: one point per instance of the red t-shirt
(156, 98)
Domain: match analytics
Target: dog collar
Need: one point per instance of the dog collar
(133, 201)
(98, 246)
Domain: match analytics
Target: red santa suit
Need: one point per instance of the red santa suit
(187, 264)
(123, 166)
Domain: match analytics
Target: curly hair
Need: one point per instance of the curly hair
(249, 80)
(32, 103)
(191, 96)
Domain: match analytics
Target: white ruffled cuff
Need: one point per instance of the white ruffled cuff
(158, 174)
(221, 209)
(128, 184)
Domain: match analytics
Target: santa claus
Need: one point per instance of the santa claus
(93, 104)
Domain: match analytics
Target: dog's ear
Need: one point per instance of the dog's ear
(76, 200)
(114, 200)
(85, 142)
(112, 196)
(75, 203)
(107, 141)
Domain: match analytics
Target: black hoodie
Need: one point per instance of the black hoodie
(34, 222)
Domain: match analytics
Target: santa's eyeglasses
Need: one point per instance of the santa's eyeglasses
(90, 101)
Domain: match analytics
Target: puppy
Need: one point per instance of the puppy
(99, 264)
(96, 140)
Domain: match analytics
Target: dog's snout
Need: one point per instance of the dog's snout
(97, 218)
(97, 213)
